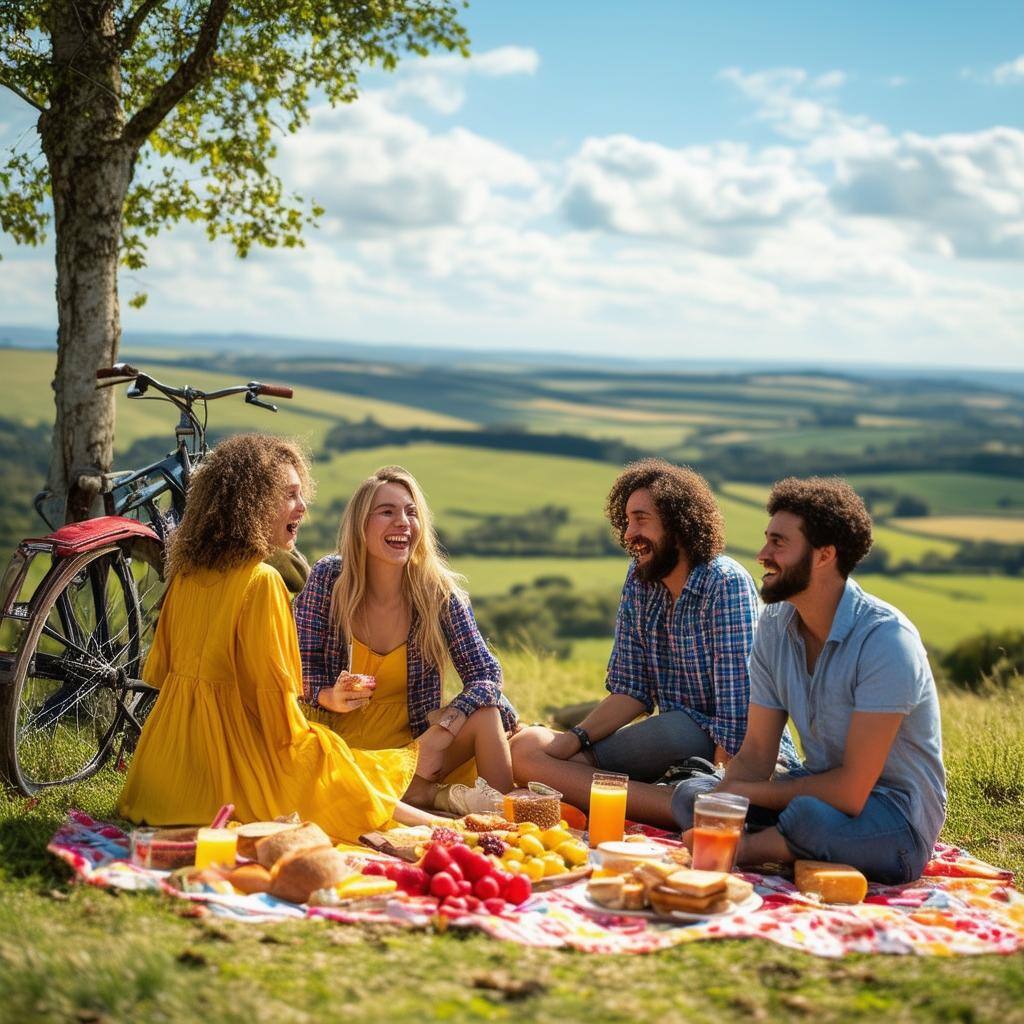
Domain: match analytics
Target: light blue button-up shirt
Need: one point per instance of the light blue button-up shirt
(873, 660)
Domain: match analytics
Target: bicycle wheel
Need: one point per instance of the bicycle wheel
(73, 671)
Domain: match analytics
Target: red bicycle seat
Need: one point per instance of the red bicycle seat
(75, 538)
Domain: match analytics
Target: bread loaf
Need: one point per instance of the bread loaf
(307, 836)
(299, 873)
(834, 883)
(249, 835)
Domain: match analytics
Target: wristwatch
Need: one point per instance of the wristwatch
(448, 719)
(582, 735)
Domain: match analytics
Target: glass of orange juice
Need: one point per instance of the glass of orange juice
(717, 826)
(607, 819)
(216, 847)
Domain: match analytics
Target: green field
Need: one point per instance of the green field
(308, 416)
(1000, 529)
(952, 493)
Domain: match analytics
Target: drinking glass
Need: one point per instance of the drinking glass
(717, 826)
(607, 807)
(141, 847)
(216, 847)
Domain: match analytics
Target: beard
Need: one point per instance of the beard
(663, 559)
(789, 582)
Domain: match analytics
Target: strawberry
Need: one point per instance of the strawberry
(518, 890)
(437, 858)
(442, 885)
(486, 888)
(477, 866)
(495, 906)
(374, 867)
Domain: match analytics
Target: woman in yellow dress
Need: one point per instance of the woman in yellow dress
(227, 726)
(378, 622)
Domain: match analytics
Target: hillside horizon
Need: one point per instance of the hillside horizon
(36, 337)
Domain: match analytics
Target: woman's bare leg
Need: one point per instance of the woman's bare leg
(483, 736)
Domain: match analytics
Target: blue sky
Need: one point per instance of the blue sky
(793, 181)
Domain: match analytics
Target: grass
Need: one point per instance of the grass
(951, 493)
(71, 953)
(1003, 529)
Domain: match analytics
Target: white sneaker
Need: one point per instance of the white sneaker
(481, 799)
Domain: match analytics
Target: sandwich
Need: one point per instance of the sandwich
(694, 892)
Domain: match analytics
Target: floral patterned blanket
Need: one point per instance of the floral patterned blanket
(960, 906)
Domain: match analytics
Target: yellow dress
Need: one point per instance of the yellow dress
(227, 727)
(384, 722)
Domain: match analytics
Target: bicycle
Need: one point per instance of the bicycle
(79, 606)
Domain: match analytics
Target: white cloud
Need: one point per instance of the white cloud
(1009, 73)
(964, 193)
(716, 197)
(377, 170)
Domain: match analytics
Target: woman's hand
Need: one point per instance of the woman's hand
(350, 692)
(432, 746)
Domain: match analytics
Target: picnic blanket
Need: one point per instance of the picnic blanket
(960, 906)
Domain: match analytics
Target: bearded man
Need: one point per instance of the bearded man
(683, 633)
(851, 673)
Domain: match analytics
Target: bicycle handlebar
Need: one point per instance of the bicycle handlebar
(274, 390)
(124, 371)
(119, 370)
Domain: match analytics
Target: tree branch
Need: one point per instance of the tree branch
(188, 75)
(22, 95)
(130, 30)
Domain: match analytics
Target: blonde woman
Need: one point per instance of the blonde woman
(378, 622)
(227, 726)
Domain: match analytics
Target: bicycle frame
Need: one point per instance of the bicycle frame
(73, 639)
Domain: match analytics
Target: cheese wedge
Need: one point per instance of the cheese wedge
(834, 883)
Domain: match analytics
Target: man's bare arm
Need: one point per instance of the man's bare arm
(615, 711)
(847, 788)
(755, 760)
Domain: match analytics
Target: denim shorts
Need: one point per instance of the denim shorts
(646, 750)
(879, 841)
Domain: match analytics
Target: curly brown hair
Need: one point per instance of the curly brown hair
(832, 513)
(233, 498)
(684, 501)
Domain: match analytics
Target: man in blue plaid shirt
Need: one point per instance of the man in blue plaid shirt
(682, 639)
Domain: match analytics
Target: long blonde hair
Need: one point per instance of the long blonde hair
(428, 583)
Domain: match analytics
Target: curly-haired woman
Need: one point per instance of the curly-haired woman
(682, 637)
(378, 622)
(227, 725)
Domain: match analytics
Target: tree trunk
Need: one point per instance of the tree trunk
(91, 170)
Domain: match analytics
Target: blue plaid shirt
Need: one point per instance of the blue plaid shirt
(692, 654)
(325, 654)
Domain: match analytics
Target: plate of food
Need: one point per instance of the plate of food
(664, 891)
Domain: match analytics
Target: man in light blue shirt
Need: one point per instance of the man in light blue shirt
(853, 675)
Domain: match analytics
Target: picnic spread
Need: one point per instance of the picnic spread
(959, 906)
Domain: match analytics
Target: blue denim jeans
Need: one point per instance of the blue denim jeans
(879, 841)
(646, 750)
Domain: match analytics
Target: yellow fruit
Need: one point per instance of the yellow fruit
(513, 867)
(513, 853)
(552, 838)
(359, 887)
(573, 852)
(534, 869)
(553, 864)
(527, 826)
(531, 845)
